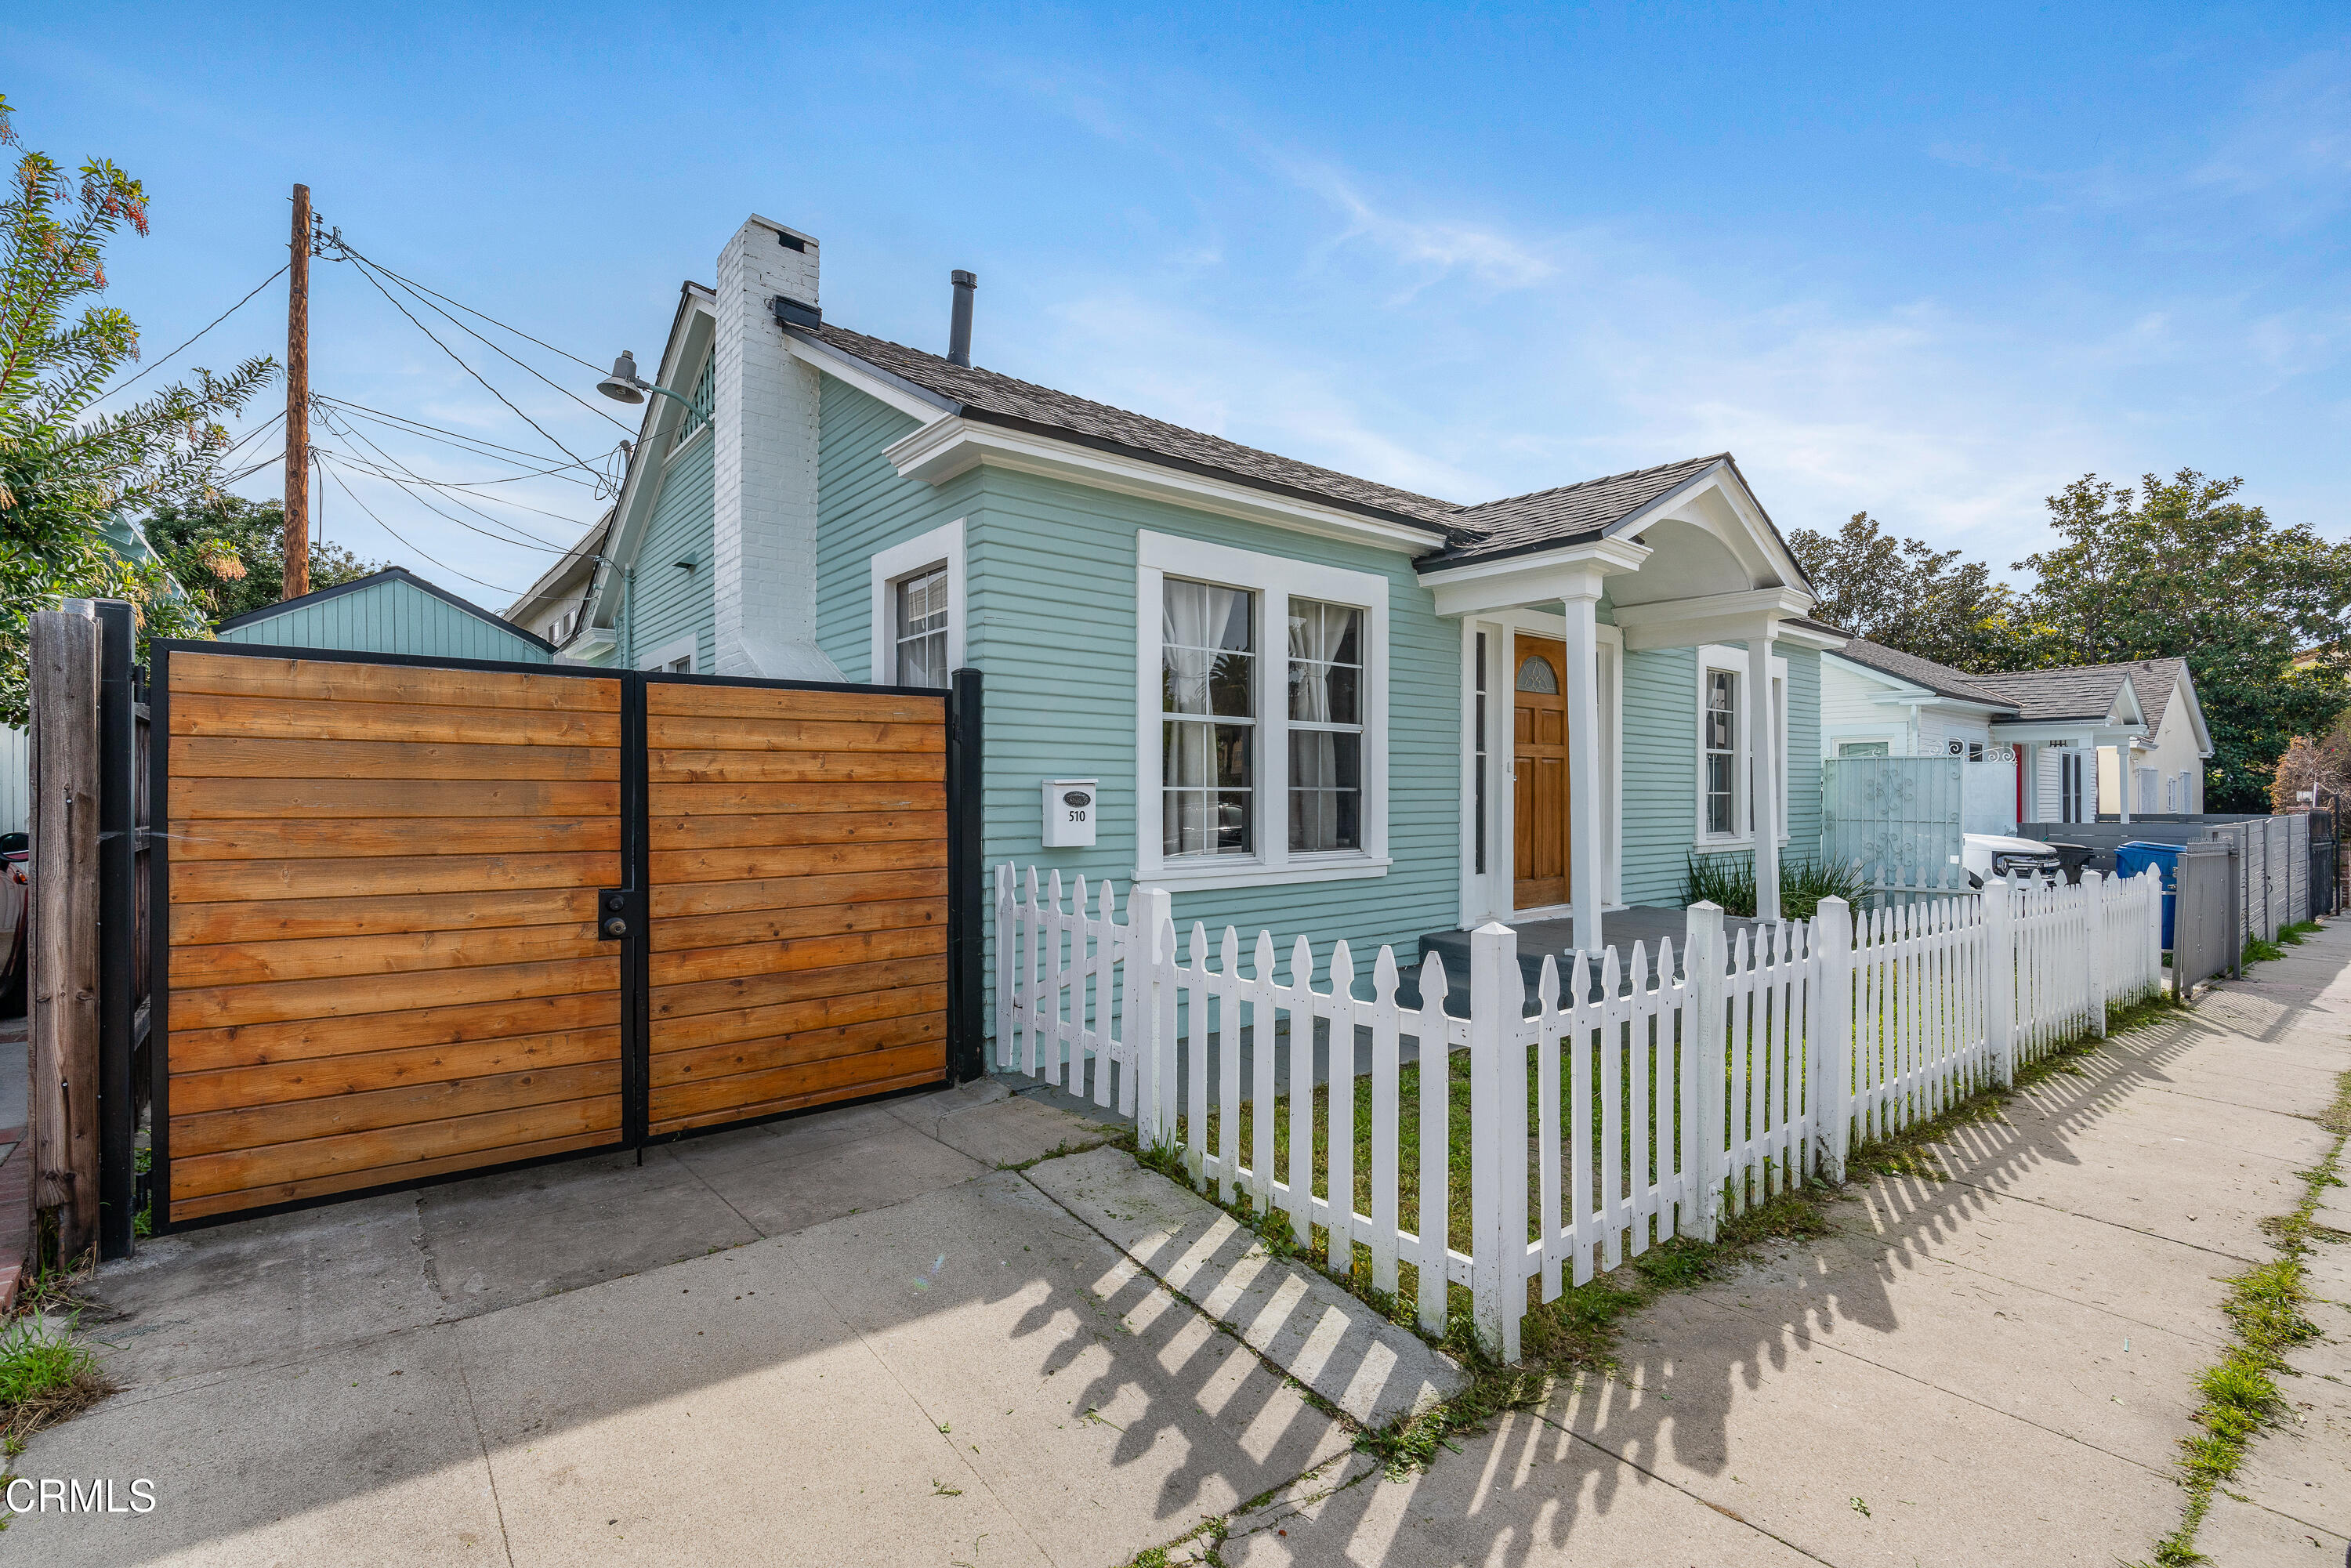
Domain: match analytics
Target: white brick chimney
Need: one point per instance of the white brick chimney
(764, 440)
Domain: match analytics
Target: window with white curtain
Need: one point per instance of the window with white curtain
(1209, 719)
(1262, 718)
(1326, 726)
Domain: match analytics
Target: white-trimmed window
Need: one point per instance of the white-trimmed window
(674, 657)
(1725, 766)
(701, 399)
(1262, 695)
(918, 609)
(920, 633)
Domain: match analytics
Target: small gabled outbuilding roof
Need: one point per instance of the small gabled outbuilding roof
(389, 611)
(2085, 692)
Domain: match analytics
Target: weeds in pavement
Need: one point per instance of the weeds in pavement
(47, 1375)
(2264, 1305)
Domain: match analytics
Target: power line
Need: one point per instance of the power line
(408, 486)
(343, 427)
(495, 349)
(525, 366)
(469, 310)
(387, 527)
(532, 540)
(513, 534)
(469, 370)
(479, 445)
(206, 328)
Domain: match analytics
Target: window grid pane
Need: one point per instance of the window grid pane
(1207, 667)
(1721, 752)
(1325, 751)
(922, 613)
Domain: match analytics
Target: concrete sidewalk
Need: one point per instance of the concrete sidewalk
(1992, 1368)
(860, 1337)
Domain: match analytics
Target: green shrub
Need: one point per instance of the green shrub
(1728, 880)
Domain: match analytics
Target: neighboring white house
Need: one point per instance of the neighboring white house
(2166, 765)
(2051, 744)
(556, 606)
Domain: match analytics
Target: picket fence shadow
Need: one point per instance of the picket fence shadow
(1669, 1090)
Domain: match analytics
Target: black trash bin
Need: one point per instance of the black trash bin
(2071, 858)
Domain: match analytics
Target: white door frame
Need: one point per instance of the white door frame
(1489, 896)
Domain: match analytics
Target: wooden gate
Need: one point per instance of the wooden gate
(799, 909)
(430, 917)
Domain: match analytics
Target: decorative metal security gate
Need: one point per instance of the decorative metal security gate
(427, 917)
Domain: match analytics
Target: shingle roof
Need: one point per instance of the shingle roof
(1468, 532)
(1554, 516)
(1941, 679)
(990, 397)
(2077, 691)
(2153, 679)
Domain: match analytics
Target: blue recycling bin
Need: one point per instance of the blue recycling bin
(2137, 856)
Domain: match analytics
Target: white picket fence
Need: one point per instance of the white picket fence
(1667, 1096)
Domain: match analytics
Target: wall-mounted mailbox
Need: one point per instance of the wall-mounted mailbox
(1070, 812)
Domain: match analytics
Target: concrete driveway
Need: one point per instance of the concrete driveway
(846, 1338)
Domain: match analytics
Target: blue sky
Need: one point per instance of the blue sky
(1933, 266)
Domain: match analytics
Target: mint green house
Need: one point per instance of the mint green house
(1306, 701)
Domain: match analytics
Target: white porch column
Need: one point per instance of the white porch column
(1586, 792)
(1763, 789)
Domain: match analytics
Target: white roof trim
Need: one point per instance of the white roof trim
(689, 335)
(875, 382)
(952, 444)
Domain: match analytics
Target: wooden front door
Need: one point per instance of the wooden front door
(1539, 758)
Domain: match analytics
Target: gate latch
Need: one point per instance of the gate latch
(612, 914)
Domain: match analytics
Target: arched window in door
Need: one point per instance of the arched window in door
(1535, 675)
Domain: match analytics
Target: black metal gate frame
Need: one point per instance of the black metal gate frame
(965, 934)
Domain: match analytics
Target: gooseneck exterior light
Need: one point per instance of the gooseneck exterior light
(624, 386)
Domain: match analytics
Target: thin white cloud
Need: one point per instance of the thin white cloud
(1432, 249)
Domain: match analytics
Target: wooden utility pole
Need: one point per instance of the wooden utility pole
(298, 402)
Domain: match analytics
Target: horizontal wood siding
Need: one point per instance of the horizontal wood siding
(799, 898)
(383, 960)
(667, 600)
(1661, 768)
(1052, 586)
(866, 505)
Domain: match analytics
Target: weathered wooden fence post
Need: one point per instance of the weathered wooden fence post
(1702, 962)
(1999, 979)
(1831, 1046)
(64, 938)
(1497, 1134)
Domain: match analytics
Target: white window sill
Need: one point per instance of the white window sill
(1188, 876)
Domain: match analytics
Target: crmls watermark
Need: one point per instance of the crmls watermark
(52, 1494)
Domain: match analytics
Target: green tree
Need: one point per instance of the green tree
(1908, 595)
(230, 553)
(2181, 568)
(64, 470)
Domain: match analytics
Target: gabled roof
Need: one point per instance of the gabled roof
(1565, 513)
(2077, 691)
(1941, 679)
(587, 553)
(1491, 528)
(389, 575)
(992, 397)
